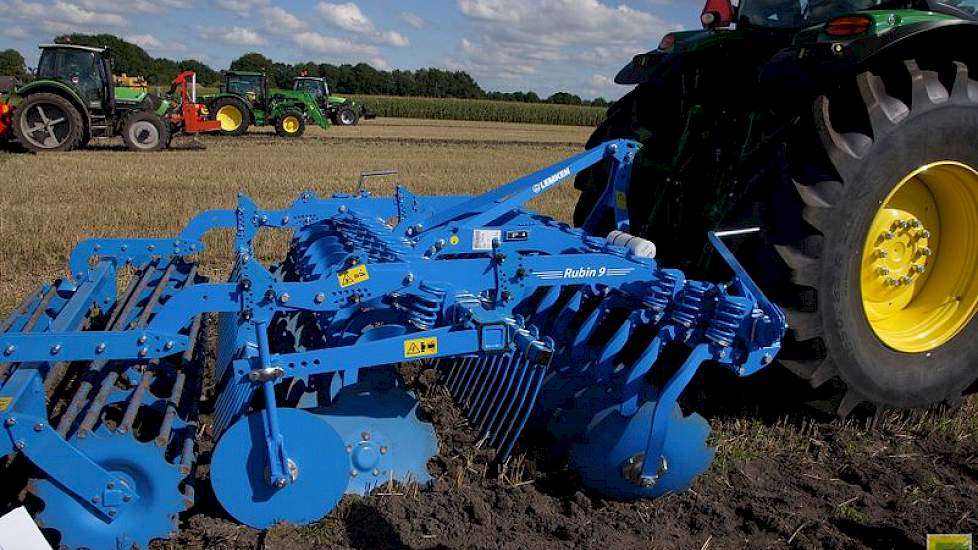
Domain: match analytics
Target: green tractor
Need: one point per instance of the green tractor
(340, 110)
(73, 99)
(246, 100)
(847, 131)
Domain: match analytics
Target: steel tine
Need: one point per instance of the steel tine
(505, 448)
(513, 397)
(479, 380)
(489, 386)
(502, 387)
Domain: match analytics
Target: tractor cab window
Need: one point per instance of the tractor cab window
(310, 86)
(248, 86)
(76, 67)
(796, 14)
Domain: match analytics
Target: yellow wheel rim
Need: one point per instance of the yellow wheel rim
(919, 277)
(290, 124)
(230, 118)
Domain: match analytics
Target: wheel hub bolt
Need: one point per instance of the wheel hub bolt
(924, 234)
(915, 223)
(919, 268)
(880, 253)
(888, 235)
(883, 271)
(906, 280)
(925, 251)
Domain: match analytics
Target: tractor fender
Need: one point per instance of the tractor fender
(920, 41)
(55, 87)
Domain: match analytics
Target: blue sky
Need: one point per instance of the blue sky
(507, 45)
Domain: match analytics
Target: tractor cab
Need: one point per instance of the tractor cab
(85, 69)
(252, 86)
(317, 87)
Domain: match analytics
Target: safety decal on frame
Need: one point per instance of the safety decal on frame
(354, 275)
(420, 347)
(5, 403)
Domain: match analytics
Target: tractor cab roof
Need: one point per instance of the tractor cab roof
(244, 73)
(74, 47)
(317, 78)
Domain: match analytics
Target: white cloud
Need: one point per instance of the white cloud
(238, 36)
(412, 19)
(319, 43)
(70, 13)
(347, 17)
(279, 20)
(144, 41)
(391, 38)
(242, 7)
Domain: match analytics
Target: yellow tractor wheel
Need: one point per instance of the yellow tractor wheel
(233, 115)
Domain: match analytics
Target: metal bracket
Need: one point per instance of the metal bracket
(362, 180)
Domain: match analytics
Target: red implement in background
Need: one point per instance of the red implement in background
(5, 110)
(192, 116)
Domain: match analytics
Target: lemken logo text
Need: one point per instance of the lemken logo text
(550, 180)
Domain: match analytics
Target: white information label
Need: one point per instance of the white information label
(482, 238)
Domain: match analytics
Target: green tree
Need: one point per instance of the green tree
(12, 64)
(564, 98)
(252, 61)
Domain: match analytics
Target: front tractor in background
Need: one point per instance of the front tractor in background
(246, 100)
(73, 100)
(340, 110)
(847, 131)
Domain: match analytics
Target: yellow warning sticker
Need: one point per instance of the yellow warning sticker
(353, 276)
(453, 240)
(5, 403)
(621, 201)
(420, 347)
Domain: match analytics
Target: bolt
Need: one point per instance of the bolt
(110, 485)
(263, 219)
(354, 473)
(888, 235)
(143, 352)
(915, 223)
(883, 271)
(354, 298)
(506, 295)
(521, 272)
(285, 220)
(281, 483)
(418, 228)
(409, 278)
(892, 282)
(365, 436)
(376, 472)
(112, 513)
(9, 350)
(269, 294)
(55, 349)
(906, 280)
(168, 345)
(100, 348)
(766, 360)
(924, 234)
(10, 422)
(38, 427)
(126, 498)
(926, 251)
(342, 208)
(349, 448)
(151, 247)
(410, 232)
(96, 499)
(246, 284)
(320, 298)
(613, 148)
(880, 253)
(919, 268)
(284, 298)
(125, 247)
(439, 244)
(647, 482)
(246, 315)
(141, 341)
(20, 445)
(383, 449)
(902, 224)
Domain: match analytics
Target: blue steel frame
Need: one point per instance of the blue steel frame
(424, 229)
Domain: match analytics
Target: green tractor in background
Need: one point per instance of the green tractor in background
(847, 131)
(340, 110)
(73, 99)
(246, 100)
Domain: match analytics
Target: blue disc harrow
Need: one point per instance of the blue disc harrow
(532, 324)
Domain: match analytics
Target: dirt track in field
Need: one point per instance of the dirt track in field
(787, 474)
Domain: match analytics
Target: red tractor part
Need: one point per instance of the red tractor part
(192, 115)
(5, 111)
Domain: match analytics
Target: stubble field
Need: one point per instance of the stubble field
(788, 474)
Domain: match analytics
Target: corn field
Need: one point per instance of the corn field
(481, 110)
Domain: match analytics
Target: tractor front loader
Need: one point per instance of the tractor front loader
(532, 324)
(340, 110)
(846, 130)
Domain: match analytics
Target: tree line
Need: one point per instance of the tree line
(361, 78)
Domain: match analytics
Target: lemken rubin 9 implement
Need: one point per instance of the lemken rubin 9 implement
(532, 323)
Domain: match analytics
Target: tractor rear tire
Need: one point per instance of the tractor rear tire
(885, 163)
(234, 115)
(46, 122)
(346, 116)
(290, 125)
(145, 131)
(885, 270)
